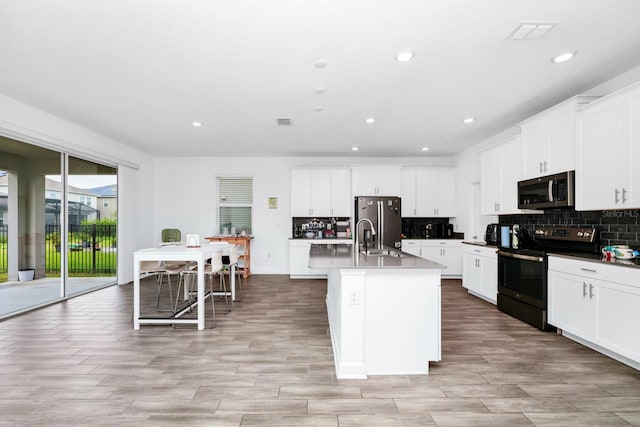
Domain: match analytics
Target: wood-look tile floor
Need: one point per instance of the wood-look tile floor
(269, 362)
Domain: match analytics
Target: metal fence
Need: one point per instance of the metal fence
(91, 249)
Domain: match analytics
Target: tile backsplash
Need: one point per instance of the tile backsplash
(620, 227)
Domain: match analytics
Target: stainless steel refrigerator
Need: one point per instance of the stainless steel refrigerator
(384, 213)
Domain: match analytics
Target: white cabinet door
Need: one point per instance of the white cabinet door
(618, 314)
(447, 252)
(412, 247)
(480, 271)
(571, 305)
(435, 192)
(600, 145)
(341, 200)
(608, 154)
(535, 144)
(563, 138)
(299, 259)
(320, 192)
(491, 182)
(301, 192)
(489, 282)
(549, 139)
(500, 171)
(471, 274)
(511, 174)
(408, 193)
(633, 159)
(376, 181)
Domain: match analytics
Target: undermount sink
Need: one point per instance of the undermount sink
(383, 252)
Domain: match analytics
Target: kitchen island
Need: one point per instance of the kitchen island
(383, 307)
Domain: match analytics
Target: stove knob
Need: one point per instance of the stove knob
(580, 234)
(587, 234)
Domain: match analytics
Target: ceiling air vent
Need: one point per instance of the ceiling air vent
(530, 31)
(284, 121)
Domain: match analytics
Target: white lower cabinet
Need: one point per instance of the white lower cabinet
(442, 251)
(480, 271)
(597, 305)
(299, 258)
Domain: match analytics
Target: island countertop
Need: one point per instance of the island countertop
(345, 256)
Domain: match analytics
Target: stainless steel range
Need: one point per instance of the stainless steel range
(522, 273)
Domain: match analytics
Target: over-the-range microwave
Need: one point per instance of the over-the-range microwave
(552, 191)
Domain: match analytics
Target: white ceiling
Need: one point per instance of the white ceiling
(141, 71)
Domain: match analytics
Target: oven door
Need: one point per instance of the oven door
(523, 277)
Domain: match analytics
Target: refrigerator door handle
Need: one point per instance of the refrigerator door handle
(380, 222)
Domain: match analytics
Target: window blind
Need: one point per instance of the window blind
(235, 200)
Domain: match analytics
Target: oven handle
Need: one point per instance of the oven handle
(524, 257)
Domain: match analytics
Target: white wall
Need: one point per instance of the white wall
(185, 198)
(135, 169)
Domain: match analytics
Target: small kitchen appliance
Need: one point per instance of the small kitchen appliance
(491, 234)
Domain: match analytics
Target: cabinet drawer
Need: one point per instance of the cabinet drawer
(596, 270)
(488, 251)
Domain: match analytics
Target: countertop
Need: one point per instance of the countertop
(345, 256)
(634, 263)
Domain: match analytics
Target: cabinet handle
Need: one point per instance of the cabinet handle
(588, 269)
(584, 289)
(545, 166)
(414, 211)
(590, 291)
(540, 167)
(617, 196)
(624, 196)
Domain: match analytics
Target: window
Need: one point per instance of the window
(105, 203)
(235, 200)
(53, 195)
(82, 200)
(88, 201)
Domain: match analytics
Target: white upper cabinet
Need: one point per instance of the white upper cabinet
(428, 192)
(408, 193)
(341, 200)
(436, 192)
(500, 171)
(549, 139)
(320, 192)
(608, 150)
(375, 180)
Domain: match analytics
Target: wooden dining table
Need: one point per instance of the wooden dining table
(181, 252)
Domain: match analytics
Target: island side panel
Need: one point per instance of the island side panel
(345, 309)
(402, 321)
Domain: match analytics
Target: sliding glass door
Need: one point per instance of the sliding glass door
(57, 226)
(92, 191)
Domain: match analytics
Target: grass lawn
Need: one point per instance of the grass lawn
(81, 262)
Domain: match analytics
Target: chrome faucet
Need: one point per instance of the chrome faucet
(373, 231)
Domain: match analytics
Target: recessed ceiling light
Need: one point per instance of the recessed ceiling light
(469, 120)
(564, 57)
(320, 63)
(319, 90)
(196, 124)
(370, 120)
(404, 55)
(354, 148)
(318, 108)
(425, 148)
